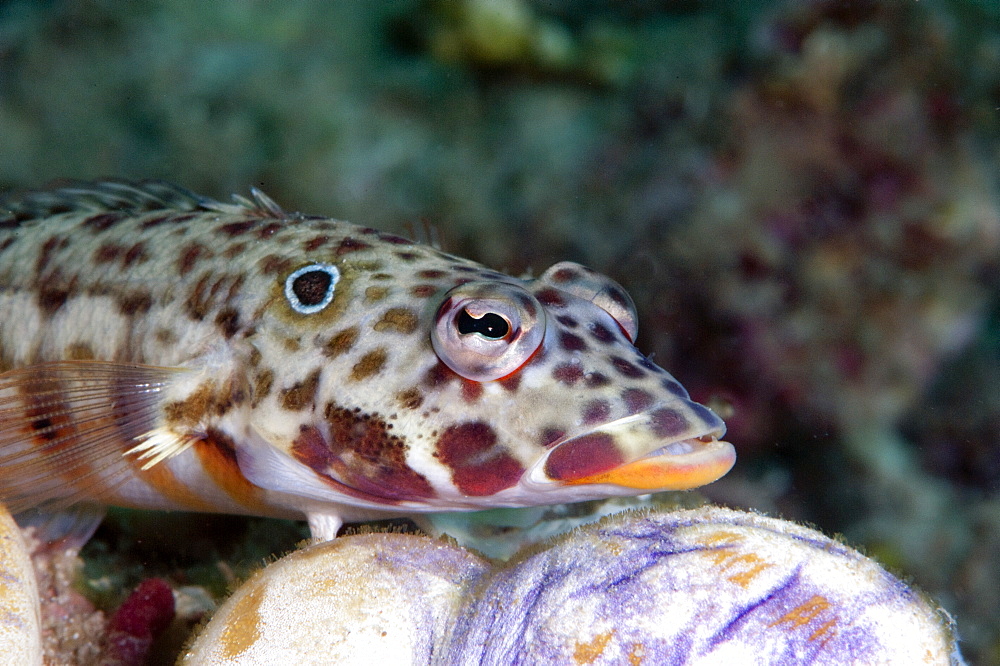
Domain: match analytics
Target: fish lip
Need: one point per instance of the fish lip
(692, 458)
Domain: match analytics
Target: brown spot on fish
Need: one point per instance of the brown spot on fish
(583, 456)
(510, 382)
(235, 250)
(637, 400)
(423, 290)
(395, 240)
(291, 344)
(550, 436)
(407, 256)
(228, 321)
(551, 297)
(397, 320)
(351, 245)
(45, 255)
(301, 395)
(627, 369)
(567, 373)
(273, 264)
(371, 458)
(6, 243)
(668, 422)
(192, 409)
(189, 256)
(527, 304)
(411, 398)
(107, 253)
(567, 321)
(479, 466)
(102, 222)
(597, 380)
(431, 273)
(197, 303)
(375, 294)
(471, 391)
(135, 255)
(233, 229)
(269, 230)
(601, 333)
(262, 385)
(439, 375)
(155, 221)
(315, 243)
(596, 411)
(79, 351)
(571, 342)
(165, 337)
(370, 364)
(135, 303)
(52, 298)
(382, 276)
(341, 342)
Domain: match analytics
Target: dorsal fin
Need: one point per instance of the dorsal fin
(144, 196)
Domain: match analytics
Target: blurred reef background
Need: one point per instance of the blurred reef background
(802, 198)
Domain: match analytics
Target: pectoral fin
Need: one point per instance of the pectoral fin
(66, 427)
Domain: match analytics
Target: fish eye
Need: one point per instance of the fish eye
(491, 325)
(487, 330)
(310, 288)
(600, 290)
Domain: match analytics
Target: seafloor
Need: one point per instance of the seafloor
(802, 198)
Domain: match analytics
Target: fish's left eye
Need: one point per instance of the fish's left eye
(487, 330)
(310, 288)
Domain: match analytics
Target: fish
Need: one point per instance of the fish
(164, 350)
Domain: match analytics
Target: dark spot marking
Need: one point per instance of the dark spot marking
(439, 375)
(395, 240)
(135, 255)
(341, 342)
(102, 222)
(471, 391)
(370, 458)
(431, 273)
(510, 382)
(597, 380)
(398, 320)
(423, 290)
(154, 222)
(382, 276)
(314, 244)
(189, 256)
(627, 369)
(301, 395)
(668, 422)
(407, 256)
(571, 342)
(479, 466)
(269, 230)
(527, 304)
(550, 436)
(351, 245)
(567, 321)
(583, 456)
(601, 332)
(551, 297)
(51, 299)
(636, 400)
(565, 275)
(234, 229)
(567, 373)
(135, 303)
(262, 385)
(370, 364)
(107, 253)
(228, 320)
(596, 411)
(411, 398)
(375, 294)
(235, 250)
(45, 255)
(273, 264)
(79, 351)
(192, 409)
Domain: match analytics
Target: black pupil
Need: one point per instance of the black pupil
(490, 325)
(311, 288)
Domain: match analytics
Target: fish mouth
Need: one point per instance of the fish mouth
(669, 447)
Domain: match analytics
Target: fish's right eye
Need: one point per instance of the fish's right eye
(487, 330)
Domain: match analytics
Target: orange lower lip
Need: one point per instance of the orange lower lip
(669, 472)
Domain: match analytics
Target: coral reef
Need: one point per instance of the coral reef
(701, 586)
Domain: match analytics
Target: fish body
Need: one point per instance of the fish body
(162, 350)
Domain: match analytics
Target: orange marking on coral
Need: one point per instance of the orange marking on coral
(804, 613)
(744, 578)
(826, 629)
(587, 653)
(636, 654)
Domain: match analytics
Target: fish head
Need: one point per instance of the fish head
(457, 387)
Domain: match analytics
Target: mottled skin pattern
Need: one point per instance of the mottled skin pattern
(134, 313)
